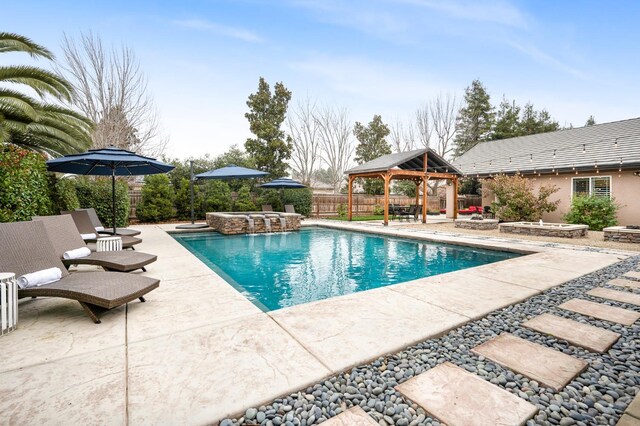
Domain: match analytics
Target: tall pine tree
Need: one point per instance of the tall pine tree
(271, 148)
(475, 119)
(507, 123)
(372, 143)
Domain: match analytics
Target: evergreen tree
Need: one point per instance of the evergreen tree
(475, 119)
(533, 121)
(507, 120)
(372, 143)
(590, 121)
(157, 199)
(271, 148)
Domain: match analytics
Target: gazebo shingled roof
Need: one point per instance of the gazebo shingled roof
(418, 165)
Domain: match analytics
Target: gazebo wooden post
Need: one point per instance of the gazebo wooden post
(386, 178)
(455, 198)
(424, 198)
(350, 197)
(417, 182)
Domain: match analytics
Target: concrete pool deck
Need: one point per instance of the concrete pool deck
(198, 350)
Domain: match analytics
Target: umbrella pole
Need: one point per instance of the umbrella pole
(193, 214)
(113, 192)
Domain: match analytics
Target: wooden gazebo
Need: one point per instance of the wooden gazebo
(418, 166)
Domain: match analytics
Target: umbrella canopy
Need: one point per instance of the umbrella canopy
(283, 183)
(109, 161)
(231, 172)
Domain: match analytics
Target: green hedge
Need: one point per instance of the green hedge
(157, 199)
(244, 202)
(64, 196)
(597, 212)
(24, 189)
(96, 193)
(301, 199)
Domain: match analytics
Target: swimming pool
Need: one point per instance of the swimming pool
(286, 269)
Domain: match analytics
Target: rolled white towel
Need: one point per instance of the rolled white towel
(88, 236)
(77, 253)
(99, 228)
(38, 278)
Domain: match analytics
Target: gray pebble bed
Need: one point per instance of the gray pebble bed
(597, 396)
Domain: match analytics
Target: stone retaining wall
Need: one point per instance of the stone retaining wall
(484, 224)
(229, 223)
(547, 230)
(622, 234)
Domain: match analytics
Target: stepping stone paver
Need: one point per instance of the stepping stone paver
(618, 296)
(627, 420)
(634, 408)
(633, 274)
(584, 335)
(354, 416)
(621, 282)
(457, 397)
(600, 311)
(547, 366)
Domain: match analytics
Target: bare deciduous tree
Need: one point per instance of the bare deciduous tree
(336, 142)
(443, 110)
(403, 138)
(304, 131)
(112, 91)
(423, 125)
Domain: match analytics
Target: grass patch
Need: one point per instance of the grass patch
(358, 218)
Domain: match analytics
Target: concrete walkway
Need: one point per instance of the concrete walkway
(198, 350)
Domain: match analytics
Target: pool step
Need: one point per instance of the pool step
(615, 295)
(457, 397)
(548, 367)
(578, 334)
(600, 311)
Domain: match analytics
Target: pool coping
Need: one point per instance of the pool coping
(206, 353)
(289, 318)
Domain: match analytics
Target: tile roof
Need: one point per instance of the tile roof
(409, 160)
(606, 144)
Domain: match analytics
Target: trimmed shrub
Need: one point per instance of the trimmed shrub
(244, 202)
(96, 193)
(342, 210)
(301, 199)
(597, 212)
(63, 194)
(157, 199)
(516, 200)
(271, 197)
(378, 210)
(24, 188)
(217, 196)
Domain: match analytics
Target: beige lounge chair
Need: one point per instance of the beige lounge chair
(267, 208)
(288, 208)
(84, 225)
(64, 236)
(95, 220)
(27, 249)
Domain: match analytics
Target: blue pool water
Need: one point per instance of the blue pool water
(285, 269)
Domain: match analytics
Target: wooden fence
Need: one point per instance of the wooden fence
(363, 204)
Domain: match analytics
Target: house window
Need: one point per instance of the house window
(598, 186)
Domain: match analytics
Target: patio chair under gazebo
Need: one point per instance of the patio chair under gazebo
(418, 166)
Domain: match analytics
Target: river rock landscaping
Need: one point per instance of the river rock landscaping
(599, 395)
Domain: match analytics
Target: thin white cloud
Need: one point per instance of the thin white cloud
(495, 12)
(545, 58)
(219, 29)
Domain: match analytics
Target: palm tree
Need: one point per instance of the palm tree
(31, 122)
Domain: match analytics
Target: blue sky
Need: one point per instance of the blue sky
(203, 58)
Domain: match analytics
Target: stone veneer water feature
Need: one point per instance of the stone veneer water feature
(253, 222)
(622, 234)
(563, 230)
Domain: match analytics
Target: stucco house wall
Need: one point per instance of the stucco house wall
(625, 189)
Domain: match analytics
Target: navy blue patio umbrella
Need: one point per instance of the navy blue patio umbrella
(282, 184)
(224, 173)
(109, 161)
